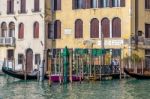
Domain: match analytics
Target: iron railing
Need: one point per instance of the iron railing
(9, 41)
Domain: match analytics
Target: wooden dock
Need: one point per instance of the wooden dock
(105, 77)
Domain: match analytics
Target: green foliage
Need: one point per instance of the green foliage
(135, 58)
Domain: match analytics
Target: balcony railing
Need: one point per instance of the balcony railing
(114, 42)
(147, 42)
(9, 41)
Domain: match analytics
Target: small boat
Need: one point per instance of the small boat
(18, 75)
(137, 75)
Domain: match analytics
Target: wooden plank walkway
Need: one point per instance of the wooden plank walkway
(105, 76)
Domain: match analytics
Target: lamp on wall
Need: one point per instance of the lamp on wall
(140, 33)
(41, 15)
(15, 18)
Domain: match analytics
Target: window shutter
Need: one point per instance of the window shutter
(36, 5)
(147, 30)
(100, 3)
(21, 31)
(23, 6)
(12, 6)
(122, 3)
(110, 3)
(146, 2)
(84, 4)
(78, 29)
(105, 27)
(8, 6)
(88, 3)
(58, 4)
(116, 28)
(57, 29)
(73, 4)
(94, 28)
(36, 30)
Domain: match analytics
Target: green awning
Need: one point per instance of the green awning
(98, 52)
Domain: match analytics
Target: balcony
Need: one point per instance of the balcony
(7, 41)
(147, 42)
(111, 42)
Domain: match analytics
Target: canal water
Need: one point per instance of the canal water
(11, 88)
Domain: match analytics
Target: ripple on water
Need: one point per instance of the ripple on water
(115, 89)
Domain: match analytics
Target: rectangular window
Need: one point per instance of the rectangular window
(10, 6)
(147, 4)
(20, 58)
(23, 6)
(36, 6)
(49, 31)
(10, 54)
(78, 4)
(116, 3)
(37, 59)
(106, 3)
(94, 3)
(147, 30)
(57, 4)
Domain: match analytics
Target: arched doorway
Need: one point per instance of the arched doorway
(29, 60)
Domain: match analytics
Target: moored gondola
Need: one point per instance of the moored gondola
(136, 75)
(33, 76)
(19, 75)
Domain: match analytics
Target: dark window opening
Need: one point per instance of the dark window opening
(20, 58)
(10, 6)
(57, 4)
(147, 30)
(78, 28)
(37, 59)
(57, 29)
(10, 54)
(23, 6)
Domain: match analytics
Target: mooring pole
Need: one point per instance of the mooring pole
(66, 63)
(42, 70)
(70, 66)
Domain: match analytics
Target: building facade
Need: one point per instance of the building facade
(79, 22)
(22, 32)
(124, 25)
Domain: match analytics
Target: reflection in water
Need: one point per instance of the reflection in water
(11, 88)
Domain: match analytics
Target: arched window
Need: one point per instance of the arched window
(11, 29)
(57, 29)
(23, 6)
(21, 31)
(94, 32)
(116, 27)
(78, 28)
(10, 6)
(36, 30)
(105, 23)
(3, 29)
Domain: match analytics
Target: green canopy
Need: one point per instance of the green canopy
(98, 52)
(81, 51)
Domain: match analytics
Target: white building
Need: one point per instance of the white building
(22, 31)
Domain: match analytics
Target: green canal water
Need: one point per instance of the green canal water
(11, 88)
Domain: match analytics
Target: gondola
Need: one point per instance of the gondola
(137, 75)
(18, 75)
(31, 76)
